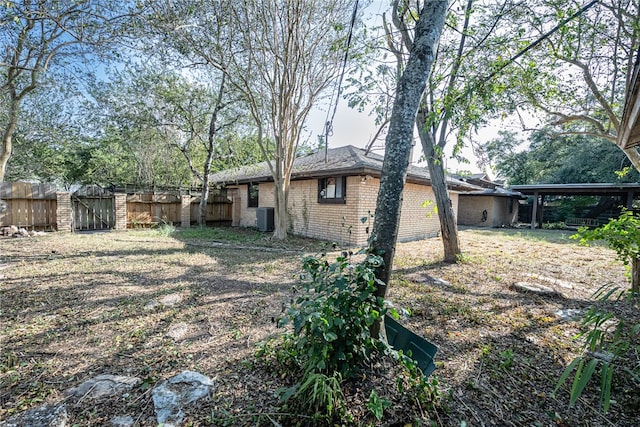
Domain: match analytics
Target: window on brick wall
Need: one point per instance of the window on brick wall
(252, 195)
(332, 189)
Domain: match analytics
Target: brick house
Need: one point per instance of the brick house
(333, 196)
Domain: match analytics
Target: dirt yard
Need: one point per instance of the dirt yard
(144, 304)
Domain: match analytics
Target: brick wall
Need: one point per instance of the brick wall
(342, 223)
(64, 212)
(185, 211)
(120, 202)
(334, 222)
(418, 221)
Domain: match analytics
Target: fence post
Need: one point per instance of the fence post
(185, 211)
(64, 212)
(120, 201)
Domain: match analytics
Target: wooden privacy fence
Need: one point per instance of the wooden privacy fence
(31, 206)
(150, 209)
(40, 207)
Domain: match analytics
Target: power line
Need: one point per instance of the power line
(328, 126)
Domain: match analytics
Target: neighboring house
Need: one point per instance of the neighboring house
(479, 179)
(495, 207)
(333, 196)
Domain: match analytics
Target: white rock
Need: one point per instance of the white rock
(42, 416)
(122, 421)
(178, 332)
(170, 396)
(535, 288)
(103, 385)
(171, 299)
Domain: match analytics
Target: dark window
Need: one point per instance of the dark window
(332, 189)
(252, 195)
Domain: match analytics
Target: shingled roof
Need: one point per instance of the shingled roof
(348, 160)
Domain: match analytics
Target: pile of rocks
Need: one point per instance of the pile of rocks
(15, 231)
(170, 398)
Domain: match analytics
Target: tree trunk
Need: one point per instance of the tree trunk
(280, 211)
(7, 136)
(635, 273)
(5, 154)
(204, 197)
(398, 143)
(448, 226)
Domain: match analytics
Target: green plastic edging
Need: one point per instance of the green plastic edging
(421, 350)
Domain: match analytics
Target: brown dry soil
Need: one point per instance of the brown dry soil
(143, 304)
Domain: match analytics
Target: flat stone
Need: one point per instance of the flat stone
(568, 313)
(171, 396)
(179, 331)
(171, 299)
(151, 305)
(535, 288)
(103, 385)
(441, 282)
(43, 416)
(123, 421)
(554, 281)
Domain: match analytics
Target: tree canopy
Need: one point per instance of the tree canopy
(556, 159)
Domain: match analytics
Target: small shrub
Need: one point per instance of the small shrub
(330, 343)
(332, 319)
(166, 229)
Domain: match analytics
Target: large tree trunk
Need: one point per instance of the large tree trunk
(399, 140)
(281, 215)
(204, 197)
(448, 226)
(5, 154)
(281, 179)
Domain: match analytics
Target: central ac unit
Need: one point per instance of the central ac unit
(265, 219)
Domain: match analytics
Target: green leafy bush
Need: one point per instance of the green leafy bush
(330, 343)
(332, 318)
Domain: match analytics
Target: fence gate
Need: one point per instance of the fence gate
(93, 208)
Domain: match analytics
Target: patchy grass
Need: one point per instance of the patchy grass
(78, 305)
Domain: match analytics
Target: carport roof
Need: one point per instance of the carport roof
(578, 189)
